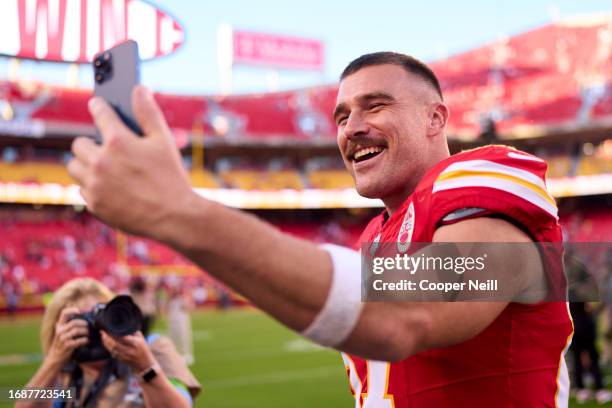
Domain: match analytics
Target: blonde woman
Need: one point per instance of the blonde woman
(130, 371)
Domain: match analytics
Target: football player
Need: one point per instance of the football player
(391, 120)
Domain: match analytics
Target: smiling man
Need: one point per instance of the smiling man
(383, 136)
(391, 133)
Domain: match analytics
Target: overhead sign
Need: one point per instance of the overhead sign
(76, 30)
(277, 51)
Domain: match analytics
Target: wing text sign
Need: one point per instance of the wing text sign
(76, 30)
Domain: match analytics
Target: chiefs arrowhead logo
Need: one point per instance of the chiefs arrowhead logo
(405, 234)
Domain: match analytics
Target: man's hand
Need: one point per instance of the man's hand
(132, 350)
(130, 182)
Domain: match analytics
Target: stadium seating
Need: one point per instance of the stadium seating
(589, 165)
(245, 179)
(48, 247)
(587, 223)
(544, 77)
(604, 107)
(66, 105)
(146, 253)
(330, 179)
(45, 248)
(35, 172)
(558, 166)
(50, 252)
(203, 179)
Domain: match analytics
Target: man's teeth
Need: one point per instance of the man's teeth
(368, 150)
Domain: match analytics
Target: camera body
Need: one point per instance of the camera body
(119, 317)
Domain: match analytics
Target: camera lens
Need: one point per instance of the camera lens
(102, 67)
(120, 317)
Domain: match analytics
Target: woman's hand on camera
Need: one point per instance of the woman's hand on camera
(131, 349)
(69, 334)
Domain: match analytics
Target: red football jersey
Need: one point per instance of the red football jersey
(518, 361)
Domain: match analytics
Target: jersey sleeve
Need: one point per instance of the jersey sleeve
(503, 182)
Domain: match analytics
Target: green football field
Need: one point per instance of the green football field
(243, 359)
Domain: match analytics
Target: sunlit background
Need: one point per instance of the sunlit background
(248, 89)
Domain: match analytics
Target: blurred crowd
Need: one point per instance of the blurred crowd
(49, 246)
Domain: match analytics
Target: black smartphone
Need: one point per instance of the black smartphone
(116, 72)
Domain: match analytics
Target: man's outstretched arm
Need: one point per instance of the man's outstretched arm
(139, 185)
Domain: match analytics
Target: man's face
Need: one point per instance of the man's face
(381, 113)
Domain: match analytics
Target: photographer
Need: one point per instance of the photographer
(105, 370)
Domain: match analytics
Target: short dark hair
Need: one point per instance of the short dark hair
(409, 63)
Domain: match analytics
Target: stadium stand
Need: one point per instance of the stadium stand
(330, 179)
(35, 172)
(595, 159)
(203, 178)
(558, 166)
(245, 179)
(565, 160)
(43, 248)
(590, 225)
(544, 77)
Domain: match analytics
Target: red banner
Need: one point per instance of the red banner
(277, 51)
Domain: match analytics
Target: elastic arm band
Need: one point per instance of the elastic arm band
(342, 308)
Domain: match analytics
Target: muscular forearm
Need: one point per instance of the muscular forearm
(45, 376)
(290, 279)
(287, 277)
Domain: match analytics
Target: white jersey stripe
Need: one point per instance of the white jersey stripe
(489, 166)
(563, 384)
(525, 157)
(500, 184)
(354, 380)
(563, 381)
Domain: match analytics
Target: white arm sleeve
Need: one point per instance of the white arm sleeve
(342, 308)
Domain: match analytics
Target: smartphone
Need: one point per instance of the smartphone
(116, 72)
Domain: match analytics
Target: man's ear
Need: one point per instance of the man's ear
(438, 117)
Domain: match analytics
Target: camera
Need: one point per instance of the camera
(103, 68)
(119, 317)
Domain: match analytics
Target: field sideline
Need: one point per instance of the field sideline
(243, 359)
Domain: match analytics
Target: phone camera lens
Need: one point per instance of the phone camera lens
(102, 67)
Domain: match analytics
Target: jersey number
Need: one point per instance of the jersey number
(371, 390)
